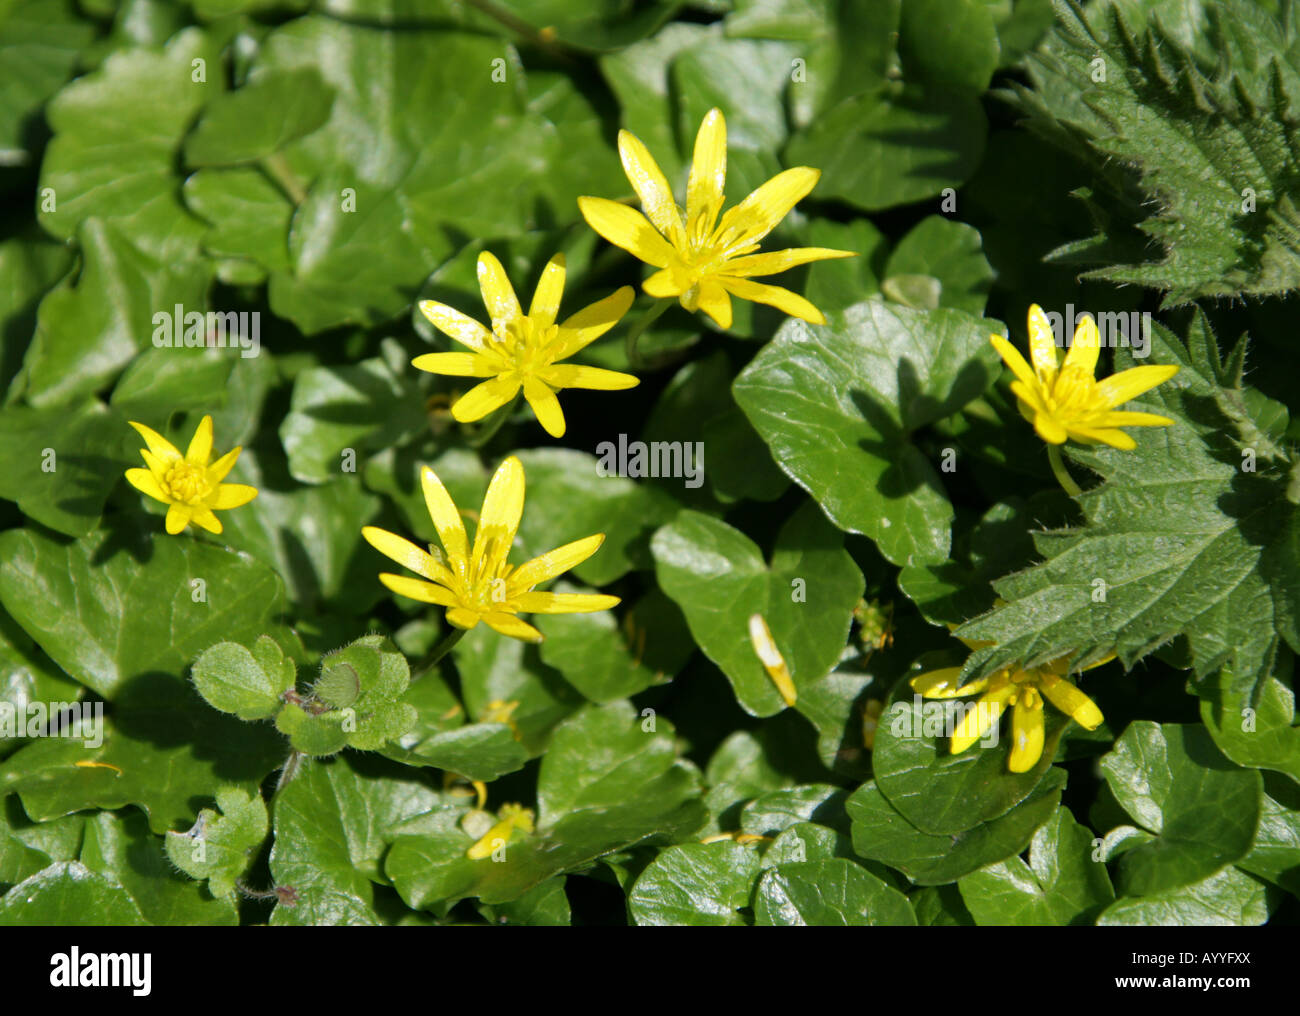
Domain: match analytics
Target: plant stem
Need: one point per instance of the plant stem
(542, 37)
(291, 766)
(440, 650)
(494, 423)
(634, 333)
(1061, 473)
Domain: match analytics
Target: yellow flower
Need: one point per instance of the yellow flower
(704, 261)
(1021, 688)
(523, 350)
(188, 484)
(479, 585)
(510, 818)
(1067, 401)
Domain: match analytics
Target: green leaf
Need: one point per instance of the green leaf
(96, 320)
(893, 146)
(1178, 539)
(246, 683)
(1257, 729)
(942, 793)
(122, 847)
(882, 834)
(162, 748)
(117, 133)
(834, 893)
(337, 413)
(1208, 142)
(837, 405)
(718, 577)
(1275, 854)
(60, 464)
(332, 825)
(162, 380)
(702, 884)
(220, 846)
(609, 780)
(68, 894)
(109, 610)
(1175, 783)
(1230, 897)
(26, 846)
(951, 253)
(1061, 883)
(606, 661)
(259, 119)
(569, 498)
(948, 43)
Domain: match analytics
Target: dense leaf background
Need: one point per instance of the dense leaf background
(868, 484)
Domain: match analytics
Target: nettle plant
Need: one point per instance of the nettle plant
(833, 601)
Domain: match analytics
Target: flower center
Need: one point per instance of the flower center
(1075, 392)
(186, 482)
(527, 346)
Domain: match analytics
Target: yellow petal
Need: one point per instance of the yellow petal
(163, 449)
(462, 618)
(542, 398)
(484, 398)
(1067, 697)
(782, 299)
(572, 375)
(498, 295)
(204, 519)
(1012, 358)
(222, 467)
(665, 283)
(1026, 733)
(714, 301)
(455, 325)
(499, 834)
(593, 321)
(1131, 419)
(1085, 347)
(1100, 663)
(1049, 429)
(200, 449)
(708, 174)
(232, 495)
(1042, 345)
(508, 624)
(499, 517)
(157, 466)
(446, 519)
(975, 723)
(651, 186)
(627, 228)
(760, 213)
(145, 482)
(771, 262)
(453, 364)
(565, 603)
(554, 562)
(550, 289)
(405, 553)
(178, 517)
(1101, 435)
(417, 589)
(1129, 384)
(944, 683)
(1030, 398)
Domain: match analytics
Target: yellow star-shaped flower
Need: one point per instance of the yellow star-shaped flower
(1021, 688)
(189, 484)
(704, 260)
(523, 350)
(1065, 401)
(479, 584)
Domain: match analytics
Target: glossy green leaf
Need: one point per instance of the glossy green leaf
(836, 893)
